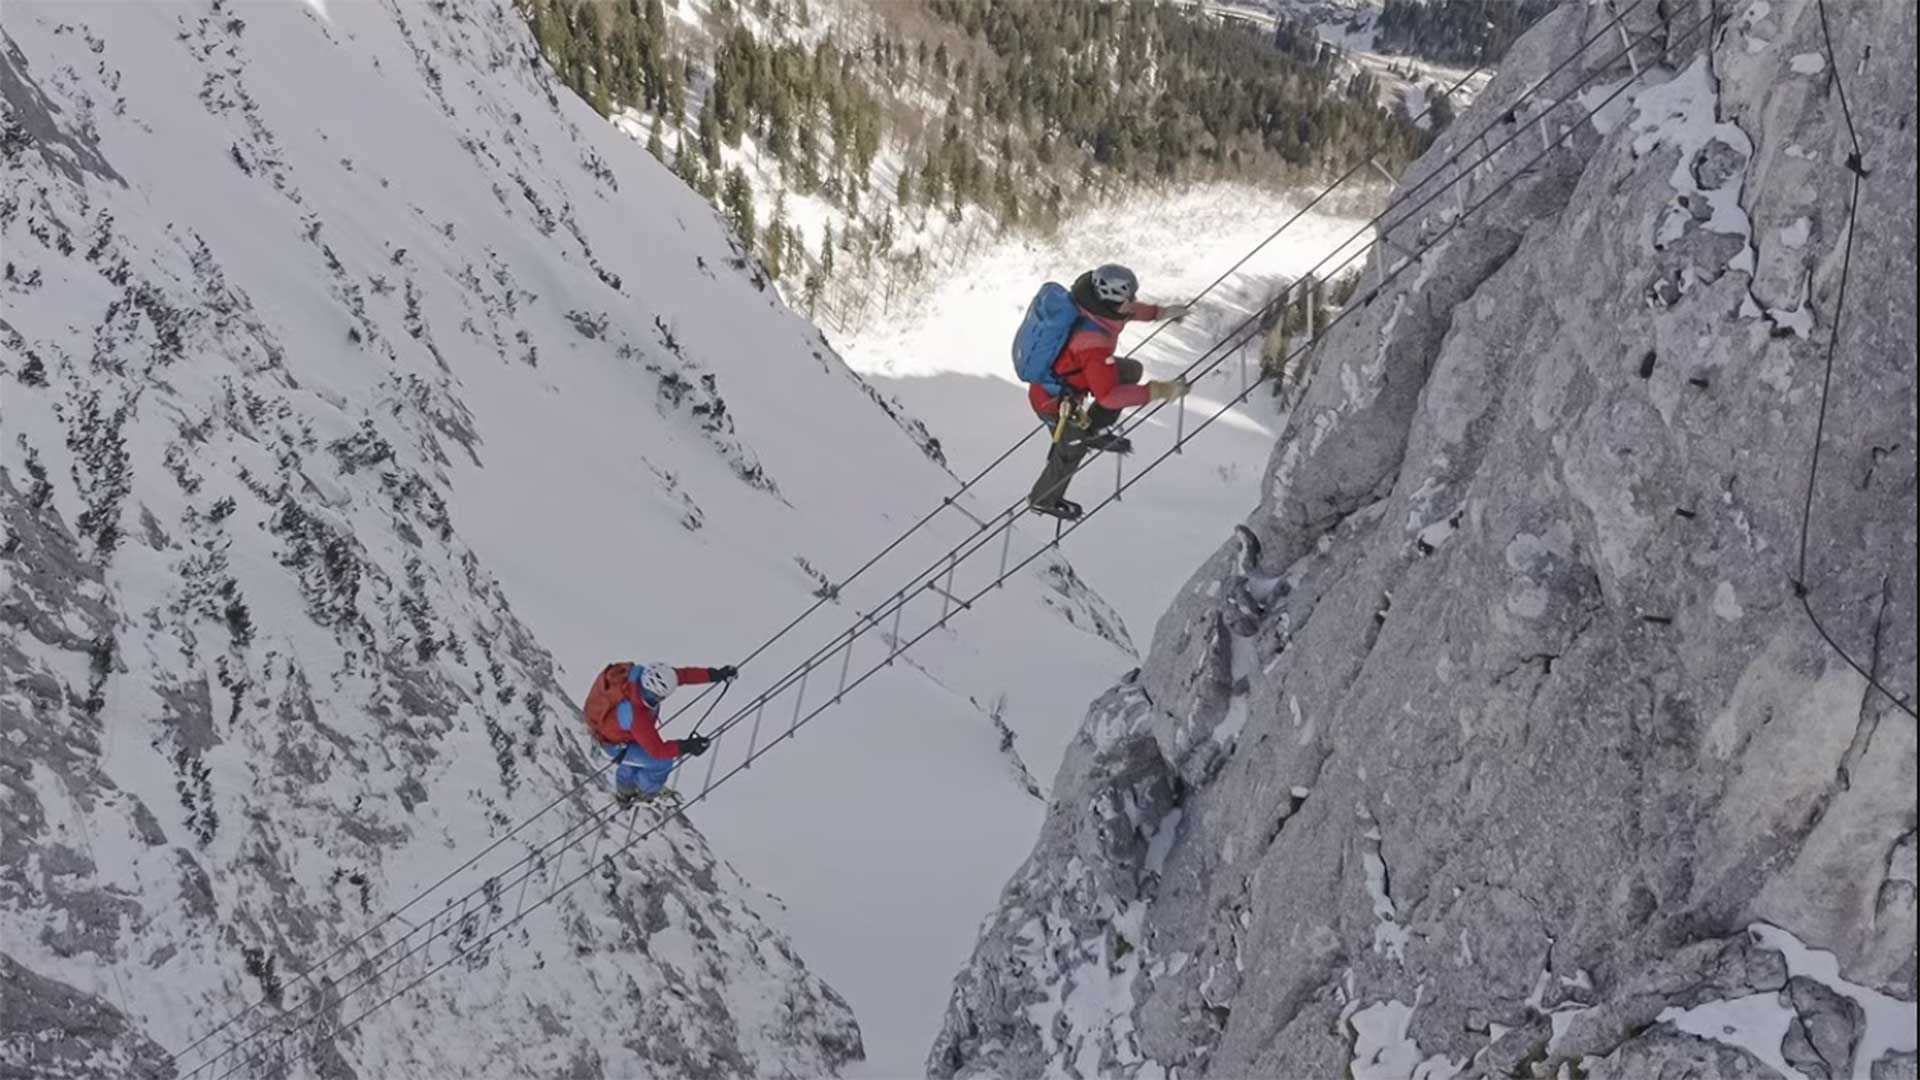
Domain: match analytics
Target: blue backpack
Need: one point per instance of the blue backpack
(1051, 319)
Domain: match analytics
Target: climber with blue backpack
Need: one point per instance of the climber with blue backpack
(1064, 352)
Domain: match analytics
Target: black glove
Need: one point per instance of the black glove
(722, 674)
(693, 745)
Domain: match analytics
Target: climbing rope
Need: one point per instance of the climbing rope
(472, 942)
(1801, 590)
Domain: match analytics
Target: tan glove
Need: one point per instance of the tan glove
(1174, 312)
(1167, 390)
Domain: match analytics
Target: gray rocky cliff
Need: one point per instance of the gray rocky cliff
(1497, 743)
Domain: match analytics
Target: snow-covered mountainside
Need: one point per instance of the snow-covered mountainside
(1497, 742)
(363, 394)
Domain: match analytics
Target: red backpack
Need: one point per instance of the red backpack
(603, 702)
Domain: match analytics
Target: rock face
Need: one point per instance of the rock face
(1498, 739)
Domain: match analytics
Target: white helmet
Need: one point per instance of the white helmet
(658, 680)
(1115, 284)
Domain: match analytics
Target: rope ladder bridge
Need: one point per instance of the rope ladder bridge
(365, 974)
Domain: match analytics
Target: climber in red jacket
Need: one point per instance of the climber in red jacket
(1087, 366)
(622, 712)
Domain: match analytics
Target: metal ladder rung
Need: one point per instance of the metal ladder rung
(753, 744)
(952, 602)
(706, 785)
(954, 501)
(893, 642)
(799, 699)
(846, 659)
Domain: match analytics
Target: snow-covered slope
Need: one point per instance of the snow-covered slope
(364, 393)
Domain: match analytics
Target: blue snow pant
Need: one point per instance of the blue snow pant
(639, 770)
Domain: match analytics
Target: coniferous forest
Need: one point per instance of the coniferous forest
(1455, 31)
(1024, 111)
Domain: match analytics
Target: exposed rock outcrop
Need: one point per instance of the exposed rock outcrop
(1513, 748)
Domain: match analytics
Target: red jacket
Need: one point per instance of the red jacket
(1087, 364)
(623, 715)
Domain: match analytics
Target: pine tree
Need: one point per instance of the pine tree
(807, 159)
(593, 65)
(780, 124)
(673, 92)
(655, 146)
(932, 182)
(775, 249)
(709, 132)
(826, 251)
(686, 164)
(737, 198)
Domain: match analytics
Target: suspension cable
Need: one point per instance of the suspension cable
(1801, 590)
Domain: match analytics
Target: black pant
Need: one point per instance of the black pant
(1064, 457)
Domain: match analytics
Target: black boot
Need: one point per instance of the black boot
(1064, 509)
